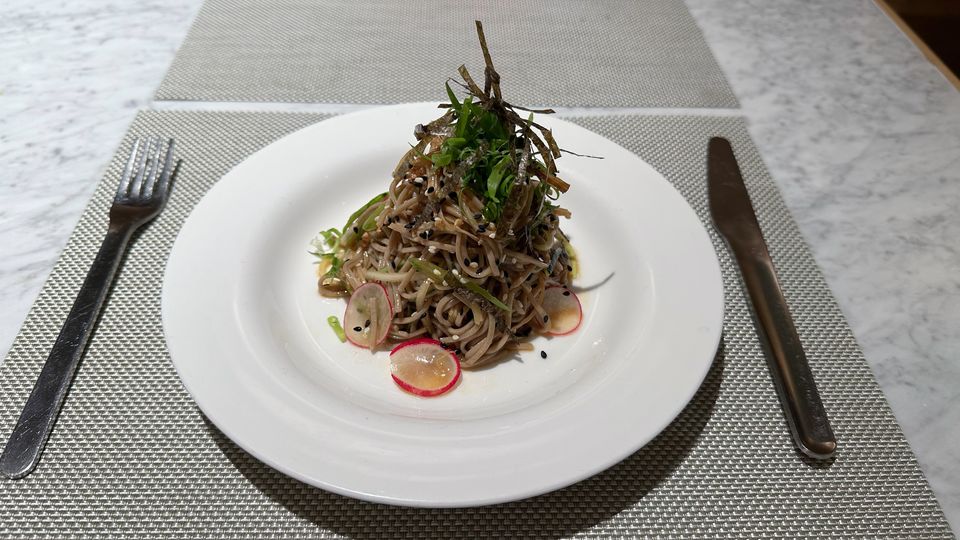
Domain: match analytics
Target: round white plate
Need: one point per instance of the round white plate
(247, 329)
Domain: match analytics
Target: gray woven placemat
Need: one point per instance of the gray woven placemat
(627, 53)
(132, 457)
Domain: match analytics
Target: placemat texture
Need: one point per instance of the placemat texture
(133, 457)
(627, 53)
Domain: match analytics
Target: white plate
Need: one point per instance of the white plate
(247, 329)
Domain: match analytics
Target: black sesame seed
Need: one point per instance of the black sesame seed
(357, 329)
(566, 293)
(452, 195)
(546, 318)
(477, 216)
(442, 183)
(356, 230)
(543, 354)
(393, 264)
(430, 189)
(466, 261)
(408, 225)
(569, 268)
(481, 228)
(423, 234)
(367, 324)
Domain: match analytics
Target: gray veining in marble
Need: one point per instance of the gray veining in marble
(73, 75)
(861, 133)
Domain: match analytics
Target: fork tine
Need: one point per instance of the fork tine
(164, 181)
(137, 183)
(127, 169)
(146, 191)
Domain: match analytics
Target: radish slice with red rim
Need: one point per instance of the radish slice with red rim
(563, 309)
(368, 316)
(424, 367)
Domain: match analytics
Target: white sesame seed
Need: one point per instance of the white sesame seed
(432, 249)
(474, 264)
(455, 337)
(435, 270)
(493, 235)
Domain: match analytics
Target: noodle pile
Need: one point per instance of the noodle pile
(467, 238)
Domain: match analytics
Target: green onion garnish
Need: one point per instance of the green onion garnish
(334, 323)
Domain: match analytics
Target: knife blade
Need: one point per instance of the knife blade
(735, 220)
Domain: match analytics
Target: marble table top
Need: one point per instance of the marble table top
(860, 132)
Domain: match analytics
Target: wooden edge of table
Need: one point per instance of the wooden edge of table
(927, 51)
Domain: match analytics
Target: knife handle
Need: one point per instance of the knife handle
(792, 377)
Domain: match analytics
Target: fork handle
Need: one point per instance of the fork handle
(36, 421)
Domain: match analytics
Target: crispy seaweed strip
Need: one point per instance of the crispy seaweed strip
(558, 183)
(524, 158)
(440, 126)
(519, 108)
(572, 153)
(548, 136)
(471, 84)
(492, 78)
(550, 179)
(544, 153)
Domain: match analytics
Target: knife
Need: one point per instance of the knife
(736, 221)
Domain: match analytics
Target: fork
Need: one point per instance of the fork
(141, 195)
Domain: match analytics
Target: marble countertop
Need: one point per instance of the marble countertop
(860, 132)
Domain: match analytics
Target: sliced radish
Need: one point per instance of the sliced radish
(368, 316)
(563, 308)
(423, 367)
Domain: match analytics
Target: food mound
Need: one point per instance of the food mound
(465, 246)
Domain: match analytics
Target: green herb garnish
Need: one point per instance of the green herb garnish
(494, 151)
(325, 247)
(369, 212)
(334, 323)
